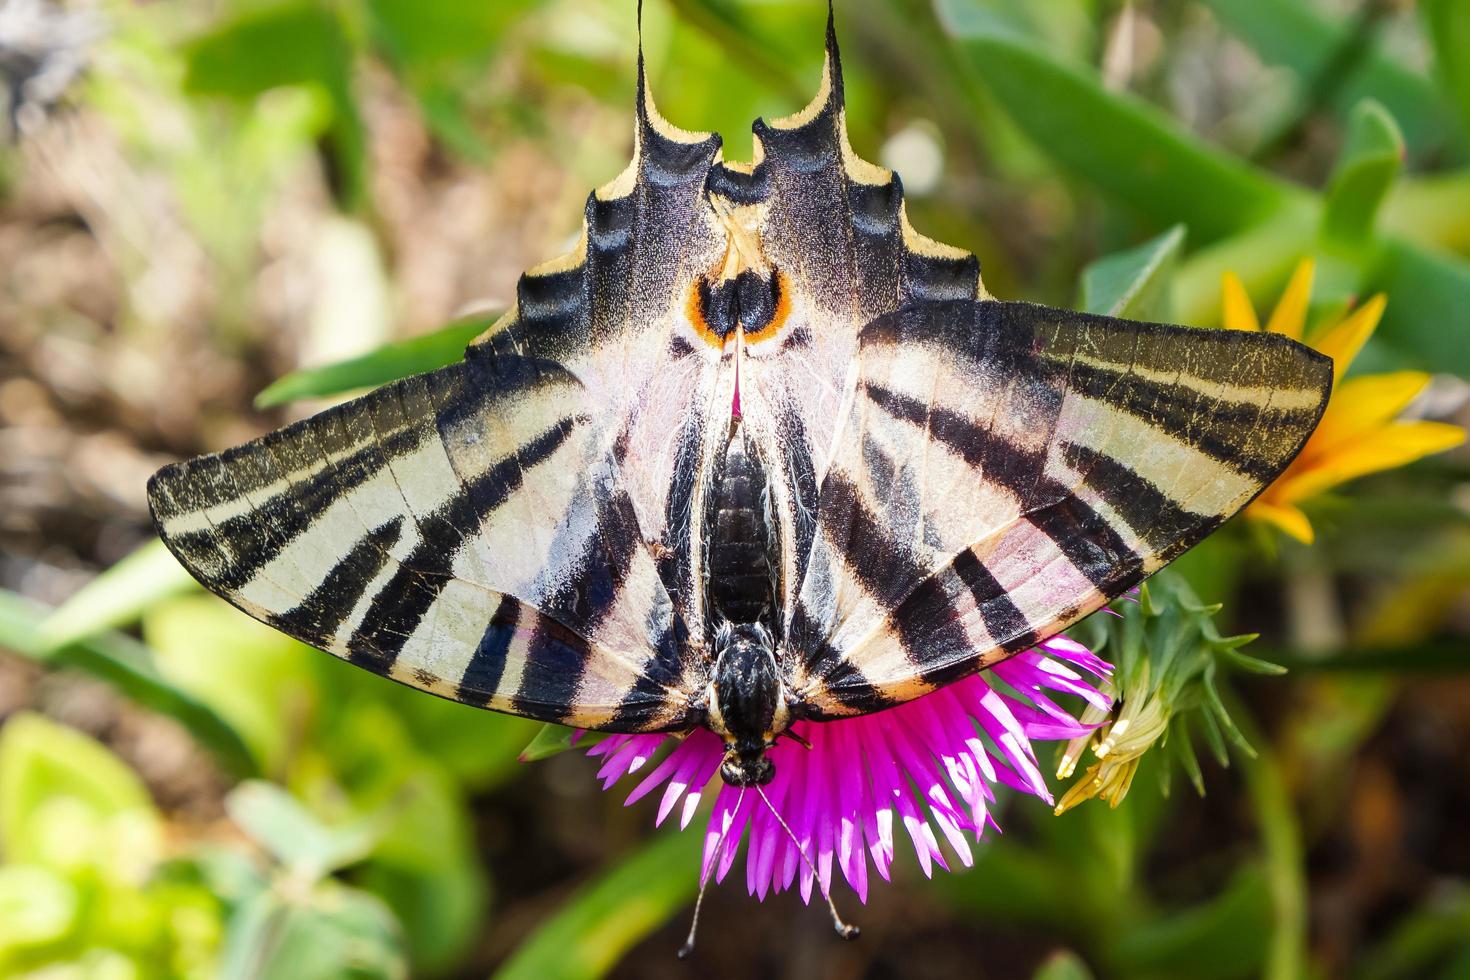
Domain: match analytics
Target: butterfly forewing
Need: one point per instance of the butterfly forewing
(1006, 469)
(461, 531)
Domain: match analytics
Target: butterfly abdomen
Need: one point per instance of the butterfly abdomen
(738, 549)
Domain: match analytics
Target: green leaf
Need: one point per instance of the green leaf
(440, 49)
(296, 838)
(1183, 747)
(387, 363)
(1370, 161)
(304, 42)
(1306, 40)
(1134, 284)
(1215, 708)
(1063, 966)
(555, 739)
(332, 933)
(1431, 209)
(1448, 25)
(1371, 158)
(117, 597)
(130, 667)
(1125, 146)
(36, 907)
(65, 799)
(442, 913)
(1280, 835)
(421, 34)
(1254, 665)
(590, 932)
(299, 42)
(1428, 294)
(409, 777)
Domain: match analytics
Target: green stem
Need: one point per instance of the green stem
(1286, 954)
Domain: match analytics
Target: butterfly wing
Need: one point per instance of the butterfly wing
(460, 531)
(1006, 469)
(836, 227)
(501, 531)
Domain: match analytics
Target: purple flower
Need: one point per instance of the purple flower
(926, 769)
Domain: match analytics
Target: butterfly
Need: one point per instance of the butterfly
(754, 451)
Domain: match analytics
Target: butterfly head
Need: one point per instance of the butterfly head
(747, 706)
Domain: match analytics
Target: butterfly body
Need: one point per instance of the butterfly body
(740, 577)
(754, 451)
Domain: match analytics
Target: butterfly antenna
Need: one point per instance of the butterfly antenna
(844, 930)
(704, 879)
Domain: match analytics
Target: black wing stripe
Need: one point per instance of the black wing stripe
(400, 606)
(481, 680)
(1003, 619)
(1176, 408)
(1150, 514)
(554, 668)
(319, 616)
(258, 537)
(1087, 540)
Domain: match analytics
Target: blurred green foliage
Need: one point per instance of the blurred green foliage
(85, 879)
(352, 847)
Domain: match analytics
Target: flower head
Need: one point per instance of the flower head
(926, 769)
(1360, 432)
(1167, 653)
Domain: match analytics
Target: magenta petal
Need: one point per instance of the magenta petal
(824, 774)
(685, 764)
(877, 814)
(932, 764)
(851, 788)
(662, 772)
(1068, 649)
(739, 821)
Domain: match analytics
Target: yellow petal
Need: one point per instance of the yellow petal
(1344, 339)
(1290, 316)
(1287, 518)
(1361, 404)
(1382, 449)
(1239, 314)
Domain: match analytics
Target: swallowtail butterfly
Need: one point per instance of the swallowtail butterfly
(754, 451)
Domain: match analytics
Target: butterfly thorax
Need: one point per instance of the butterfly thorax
(746, 702)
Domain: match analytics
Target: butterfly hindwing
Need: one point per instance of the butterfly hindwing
(836, 228)
(1006, 469)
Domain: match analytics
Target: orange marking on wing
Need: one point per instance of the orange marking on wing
(694, 311)
(778, 318)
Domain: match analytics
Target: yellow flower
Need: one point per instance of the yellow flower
(1360, 433)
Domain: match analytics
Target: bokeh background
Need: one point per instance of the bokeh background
(199, 198)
